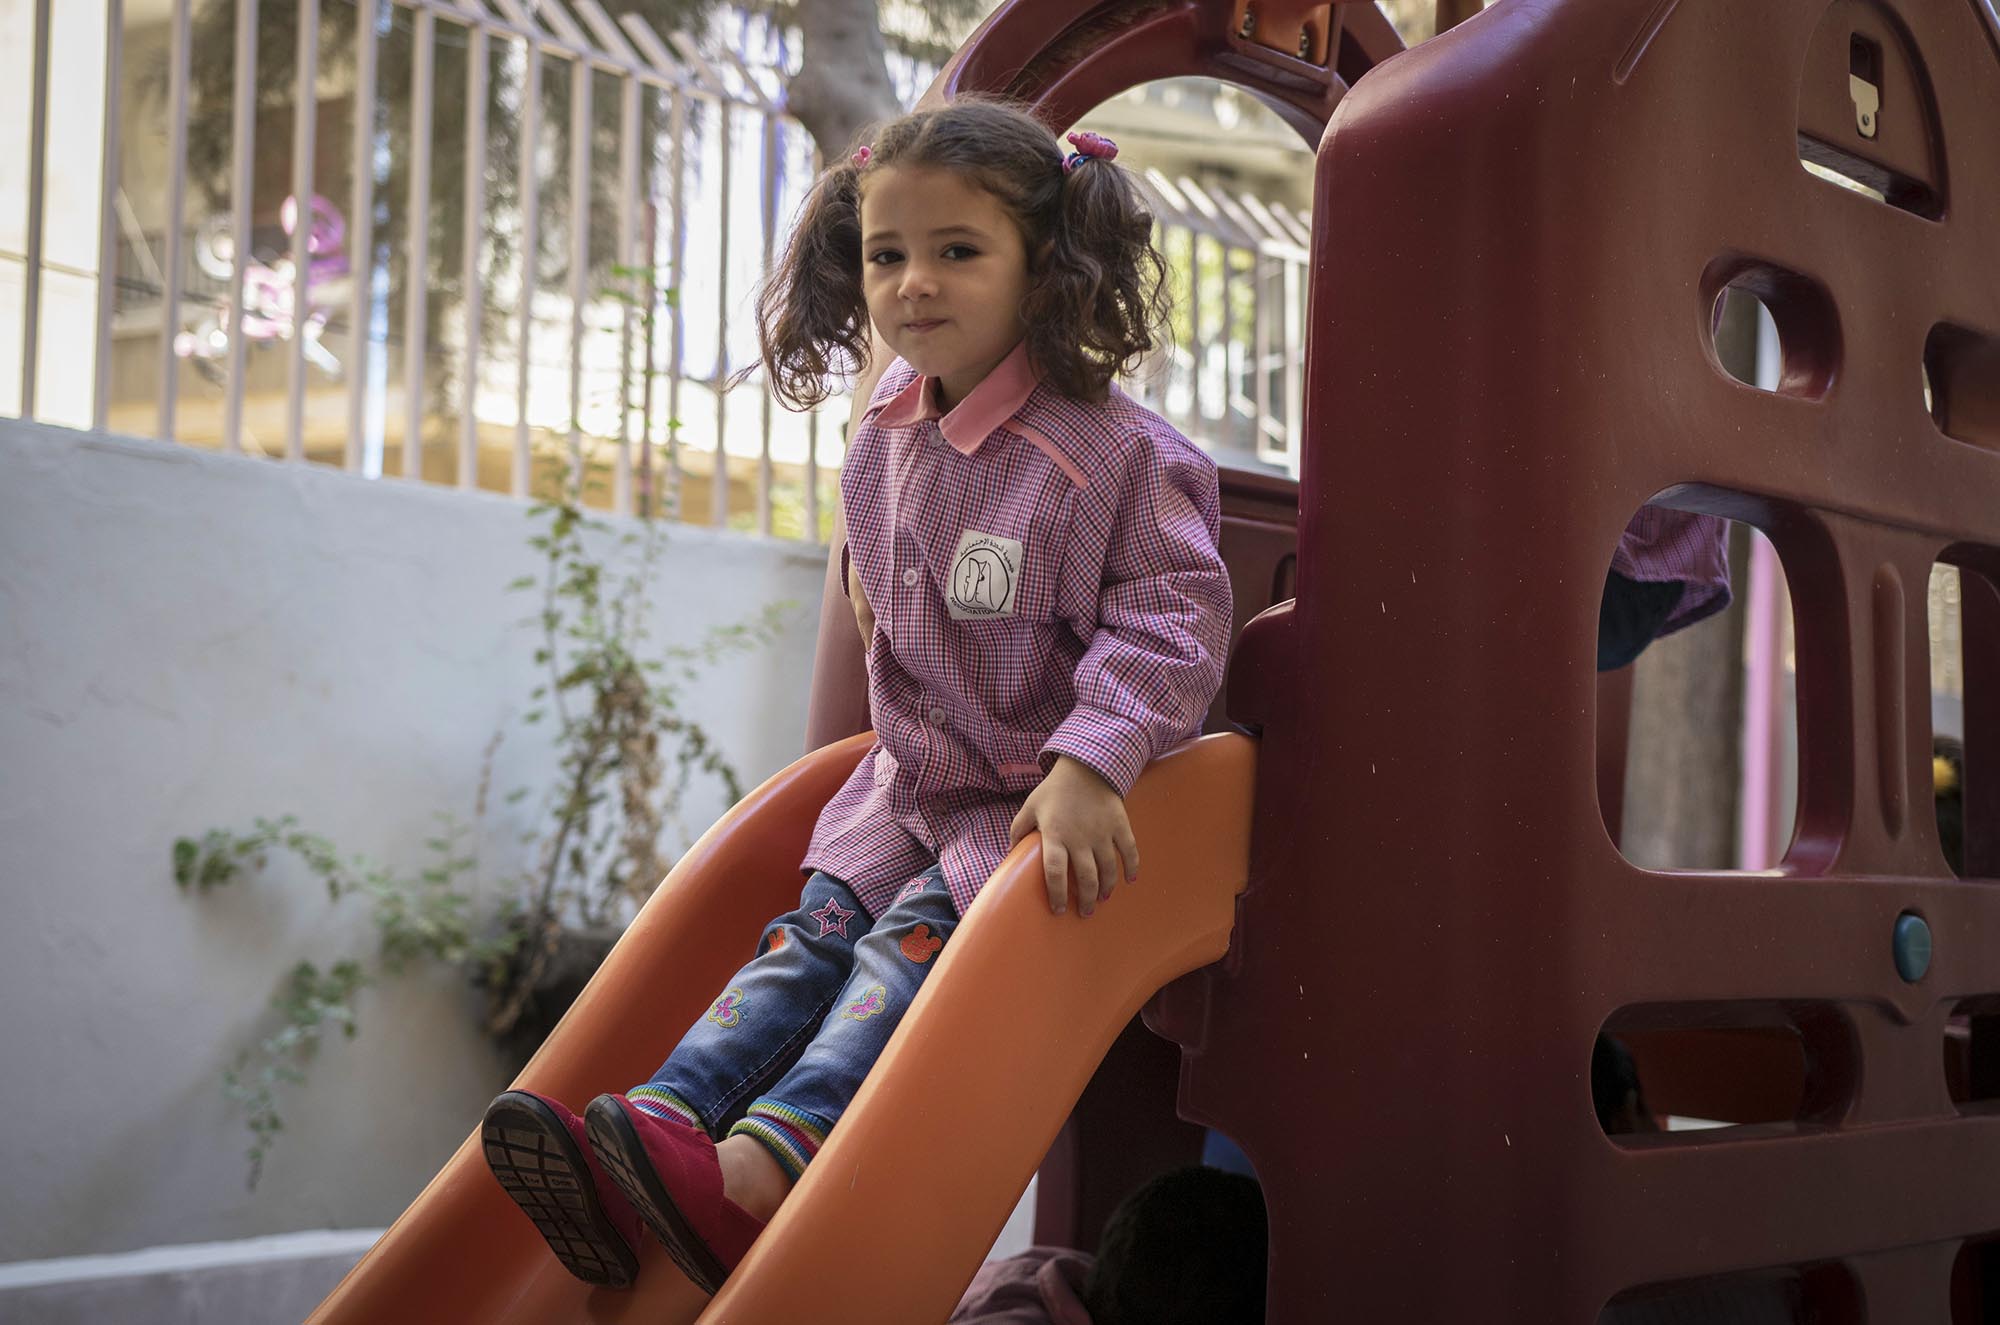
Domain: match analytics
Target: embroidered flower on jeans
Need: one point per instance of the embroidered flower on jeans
(728, 1010)
(874, 1001)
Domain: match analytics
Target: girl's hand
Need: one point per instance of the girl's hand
(1084, 829)
(864, 615)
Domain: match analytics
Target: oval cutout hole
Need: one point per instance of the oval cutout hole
(1962, 384)
(1822, 1291)
(1975, 1282)
(1800, 310)
(1662, 1074)
(1945, 623)
(1972, 1054)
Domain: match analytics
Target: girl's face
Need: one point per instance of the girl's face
(944, 271)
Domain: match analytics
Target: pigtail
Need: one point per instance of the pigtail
(812, 321)
(1100, 286)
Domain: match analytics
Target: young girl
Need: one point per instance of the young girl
(1033, 558)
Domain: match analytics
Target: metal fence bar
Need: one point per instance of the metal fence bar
(178, 46)
(244, 145)
(812, 422)
(718, 492)
(1258, 349)
(1224, 247)
(361, 304)
(677, 122)
(663, 488)
(521, 478)
(1235, 244)
(766, 471)
(755, 97)
(580, 126)
(107, 215)
(416, 277)
(1196, 345)
(475, 232)
(31, 275)
(305, 103)
(569, 45)
(609, 38)
(566, 29)
(635, 280)
(646, 492)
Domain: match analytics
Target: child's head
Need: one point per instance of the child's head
(1188, 1248)
(959, 232)
(1615, 1092)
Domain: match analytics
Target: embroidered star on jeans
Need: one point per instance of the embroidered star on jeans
(833, 918)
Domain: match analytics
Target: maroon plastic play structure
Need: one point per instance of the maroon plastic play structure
(1520, 231)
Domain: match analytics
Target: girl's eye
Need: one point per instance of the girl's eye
(959, 252)
(884, 257)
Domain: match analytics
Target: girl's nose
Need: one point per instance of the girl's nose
(918, 282)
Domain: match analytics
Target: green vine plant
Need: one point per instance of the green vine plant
(421, 916)
(627, 754)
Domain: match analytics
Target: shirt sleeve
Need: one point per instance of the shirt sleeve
(1015, 1291)
(1149, 673)
(1662, 545)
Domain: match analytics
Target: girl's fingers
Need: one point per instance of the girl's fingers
(1107, 871)
(1024, 824)
(1128, 847)
(1055, 875)
(1085, 866)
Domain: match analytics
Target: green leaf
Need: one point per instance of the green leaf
(186, 854)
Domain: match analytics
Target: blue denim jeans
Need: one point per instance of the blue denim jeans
(782, 1051)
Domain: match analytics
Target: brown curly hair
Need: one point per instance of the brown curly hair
(1097, 285)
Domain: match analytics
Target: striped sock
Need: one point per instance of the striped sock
(661, 1103)
(791, 1135)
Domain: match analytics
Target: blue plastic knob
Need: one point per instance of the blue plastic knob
(1913, 946)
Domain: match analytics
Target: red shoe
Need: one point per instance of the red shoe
(671, 1176)
(536, 1148)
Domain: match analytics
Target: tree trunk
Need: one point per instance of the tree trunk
(843, 83)
(1686, 741)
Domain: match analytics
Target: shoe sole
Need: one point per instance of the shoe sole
(539, 1165)
(618, 1148)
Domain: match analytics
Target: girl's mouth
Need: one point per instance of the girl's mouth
(926, 324)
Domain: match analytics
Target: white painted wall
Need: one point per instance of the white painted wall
(188, 641)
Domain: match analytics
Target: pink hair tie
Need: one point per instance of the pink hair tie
(1089, 147)
(861, 156)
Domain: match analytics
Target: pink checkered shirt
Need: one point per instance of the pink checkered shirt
(1662, 544)
(1045, 581)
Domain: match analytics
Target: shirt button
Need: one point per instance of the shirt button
(937, 717)
(910, 577)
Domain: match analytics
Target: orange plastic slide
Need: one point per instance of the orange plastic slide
(892, 1219)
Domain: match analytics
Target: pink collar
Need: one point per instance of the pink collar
(972, 420)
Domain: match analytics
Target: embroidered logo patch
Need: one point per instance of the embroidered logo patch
(833, 918)
(876, 1000)
(777, 940)
(728, 1010)
(985, 576)
(920, 945)
(910, 889)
